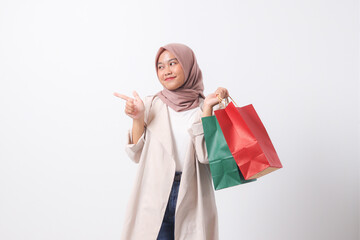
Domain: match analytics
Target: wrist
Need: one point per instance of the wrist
(207, 110)
(139, 121)
(208, 106)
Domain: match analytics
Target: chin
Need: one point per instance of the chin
(169, 87)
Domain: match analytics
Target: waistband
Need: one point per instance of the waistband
(177, 177)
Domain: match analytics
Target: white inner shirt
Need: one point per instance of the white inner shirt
(180, 122)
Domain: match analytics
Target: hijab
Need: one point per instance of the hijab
(187, 96)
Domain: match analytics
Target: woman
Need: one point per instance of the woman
(173, 197)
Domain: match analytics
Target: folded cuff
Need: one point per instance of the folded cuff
(134, 147)
(197, 129)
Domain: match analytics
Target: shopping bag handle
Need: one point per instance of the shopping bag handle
(233, 101)
(226, 101)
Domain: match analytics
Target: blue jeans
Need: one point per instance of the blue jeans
(167, 227)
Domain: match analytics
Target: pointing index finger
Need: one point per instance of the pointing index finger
(122, 96)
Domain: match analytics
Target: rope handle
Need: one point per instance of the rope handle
(233, 101)
(222, 105)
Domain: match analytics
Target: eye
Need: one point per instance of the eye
(173, 63)
(160, 67)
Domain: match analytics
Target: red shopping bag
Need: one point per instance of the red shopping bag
(248, 141)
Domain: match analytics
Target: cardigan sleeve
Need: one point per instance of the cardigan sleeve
(197, 133)
(134, 150)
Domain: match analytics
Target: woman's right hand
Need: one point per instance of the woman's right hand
(134, 107)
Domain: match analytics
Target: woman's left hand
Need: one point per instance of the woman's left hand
(213, 99)
(222, 92)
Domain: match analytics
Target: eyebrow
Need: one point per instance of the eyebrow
(168, 60)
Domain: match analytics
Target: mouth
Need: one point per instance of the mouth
(169, 78)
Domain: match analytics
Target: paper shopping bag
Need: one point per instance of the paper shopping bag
(224, 170)
(248, 141)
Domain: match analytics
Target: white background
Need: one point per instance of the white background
(64, 173)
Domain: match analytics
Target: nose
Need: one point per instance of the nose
(167, 71)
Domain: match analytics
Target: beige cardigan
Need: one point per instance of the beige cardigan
(196, 214)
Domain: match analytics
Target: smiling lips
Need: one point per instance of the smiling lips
(170, 78)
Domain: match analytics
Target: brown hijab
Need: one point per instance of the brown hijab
(187, 96)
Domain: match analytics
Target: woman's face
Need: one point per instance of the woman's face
(169, 71)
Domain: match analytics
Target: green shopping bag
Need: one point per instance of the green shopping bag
(224, 170)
